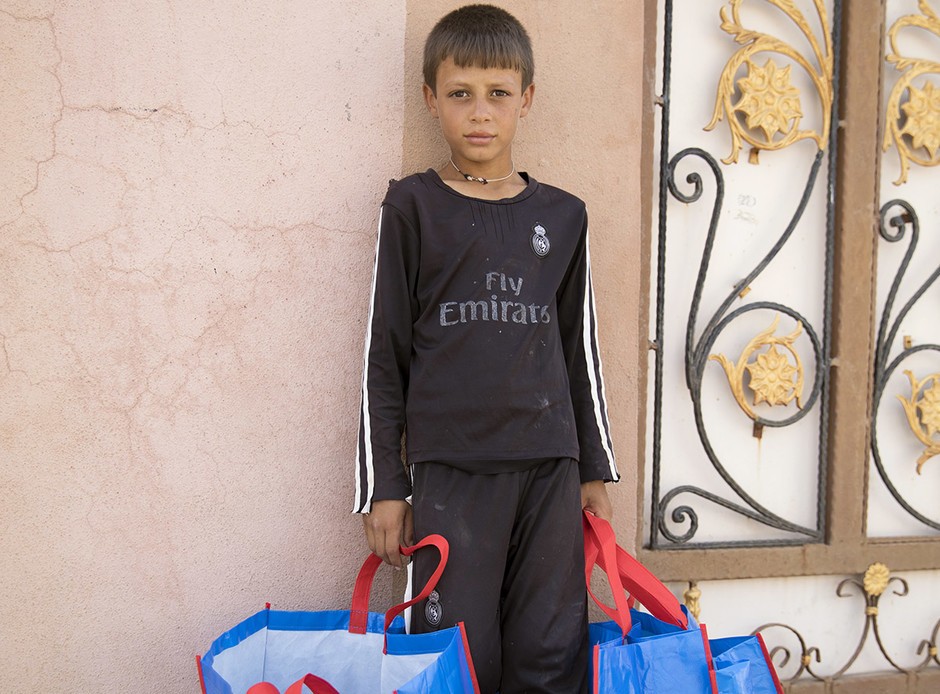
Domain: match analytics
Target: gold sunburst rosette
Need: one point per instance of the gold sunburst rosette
(922, 410)
(773, 378)
(768, 103)
(913, 112)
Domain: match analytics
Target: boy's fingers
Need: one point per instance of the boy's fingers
(386, 547)
(409, 534)
(379, 543)
(601, 508)
(370, 536)
(393, 555)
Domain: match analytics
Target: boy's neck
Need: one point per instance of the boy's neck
(493, 190)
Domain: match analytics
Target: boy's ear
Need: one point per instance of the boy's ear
(527, 96)
(430, 100)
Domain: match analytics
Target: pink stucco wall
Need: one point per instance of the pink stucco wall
(188, 194)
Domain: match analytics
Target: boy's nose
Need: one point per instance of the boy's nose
(480, 111)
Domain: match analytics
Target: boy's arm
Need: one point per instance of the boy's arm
(380, 473)
(577, 323)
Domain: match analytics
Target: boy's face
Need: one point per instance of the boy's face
(479, 110)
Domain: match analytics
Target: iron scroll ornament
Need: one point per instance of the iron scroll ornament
(697, 358)
(888, 331)
(873, 585)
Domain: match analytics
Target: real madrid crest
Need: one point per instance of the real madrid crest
(540, 243)
(433, 612)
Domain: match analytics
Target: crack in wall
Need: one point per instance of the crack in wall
(54, 72)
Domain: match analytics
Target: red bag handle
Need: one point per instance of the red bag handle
(444, 549)
(359, 614)
(597, 542)
(262, 688)
(633, 576)
(315, 684)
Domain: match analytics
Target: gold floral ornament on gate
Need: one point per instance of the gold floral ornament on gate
(923, 414)
(876, 579)
(768, 109)
(913, 127)
(773, 378)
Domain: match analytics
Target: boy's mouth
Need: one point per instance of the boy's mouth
(479, 138)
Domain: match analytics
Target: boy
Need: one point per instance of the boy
(481, 346)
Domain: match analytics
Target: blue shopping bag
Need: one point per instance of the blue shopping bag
(743, 666)
(639, 653)
(346, 651)
(663, 650)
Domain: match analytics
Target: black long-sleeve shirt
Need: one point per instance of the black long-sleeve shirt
(481, 342)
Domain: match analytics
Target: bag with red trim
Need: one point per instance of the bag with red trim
(664, 650)
(347, 651)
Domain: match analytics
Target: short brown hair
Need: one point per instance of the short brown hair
(479, 36)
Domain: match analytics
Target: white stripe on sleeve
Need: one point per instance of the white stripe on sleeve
(592, 356)
(364, 497)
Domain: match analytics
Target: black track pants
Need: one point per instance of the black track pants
(515, 575)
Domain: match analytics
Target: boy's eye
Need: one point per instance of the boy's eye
(460, 93)
(500, 92)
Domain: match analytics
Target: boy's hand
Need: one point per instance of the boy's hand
(594, 499)
(388, 525)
